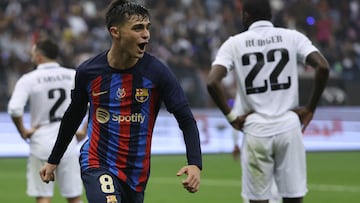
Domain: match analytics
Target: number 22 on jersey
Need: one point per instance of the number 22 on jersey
(261, 60)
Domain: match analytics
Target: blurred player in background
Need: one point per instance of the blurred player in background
(125, 87)
(264, 60)
(47, 88)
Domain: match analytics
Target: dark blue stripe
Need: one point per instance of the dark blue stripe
(140, 129)
(105, 102)
(113, 142)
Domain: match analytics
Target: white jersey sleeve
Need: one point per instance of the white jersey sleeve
(19, 97)
(225, 55)
(304, 46)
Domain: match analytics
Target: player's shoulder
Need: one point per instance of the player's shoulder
(153, 67)
(57, 70)
(152, 60)
(289, 32)
(27, 77)
(264, 27)
(150, 65)
(67, 69)
(93, 61)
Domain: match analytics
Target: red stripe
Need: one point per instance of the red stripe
(124, 131)
(95, 134)
(146, 162)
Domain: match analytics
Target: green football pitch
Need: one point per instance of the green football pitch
(333, 177)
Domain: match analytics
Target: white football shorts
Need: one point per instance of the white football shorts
(281, 158)
(67, 176)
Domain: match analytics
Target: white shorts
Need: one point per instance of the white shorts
(67, 176)
(275, 197)
(280, 158)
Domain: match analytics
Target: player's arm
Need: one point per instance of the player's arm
(321, 66)
(216, 89)
(190, 131)
(68, 127)
(72, 117)
(218, 71)
(16, 106)
(19, 124)
(187, 124)
(69, 124)
(176, 103)
(217, 93)
(81, 132)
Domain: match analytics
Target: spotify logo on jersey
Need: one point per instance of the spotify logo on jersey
(102, 115)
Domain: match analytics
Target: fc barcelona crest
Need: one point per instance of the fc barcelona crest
(142, 94)
(111, 199)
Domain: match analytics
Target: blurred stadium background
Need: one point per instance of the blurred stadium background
(186, 34)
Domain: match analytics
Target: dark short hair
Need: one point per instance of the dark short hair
(48, 48)
(120, 10)
(258, 9)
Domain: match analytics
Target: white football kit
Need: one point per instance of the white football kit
(265, 61)
(48, 90)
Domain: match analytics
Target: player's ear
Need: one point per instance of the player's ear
(39, 56)
(114, 31)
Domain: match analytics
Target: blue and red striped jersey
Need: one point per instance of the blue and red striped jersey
(123, 106)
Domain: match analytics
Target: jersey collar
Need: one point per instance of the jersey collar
(260, 23)
(47, 65)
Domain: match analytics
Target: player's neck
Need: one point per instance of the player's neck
(45, 61)
(120, 60)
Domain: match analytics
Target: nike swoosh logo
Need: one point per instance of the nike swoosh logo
(95, 94)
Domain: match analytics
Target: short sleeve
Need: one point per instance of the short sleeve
(303, 47)
(19, 97)
(224, 56)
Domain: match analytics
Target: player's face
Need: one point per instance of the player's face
(133, 36)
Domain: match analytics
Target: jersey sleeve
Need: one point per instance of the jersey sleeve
(176, 102)
(19, 97)
(188, 125)
(303, 46)
(171, 91)
(224, 56)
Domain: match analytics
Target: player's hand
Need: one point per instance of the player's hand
(236, 152)
(192, 181)
(238, 124)
(81, 133)
(47, 173)
(305, 116)
(26, 134)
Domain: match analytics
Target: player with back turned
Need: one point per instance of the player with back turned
(264, 61)
(125, 87)
(47, 89)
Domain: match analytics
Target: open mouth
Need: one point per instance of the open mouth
(142, 46)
